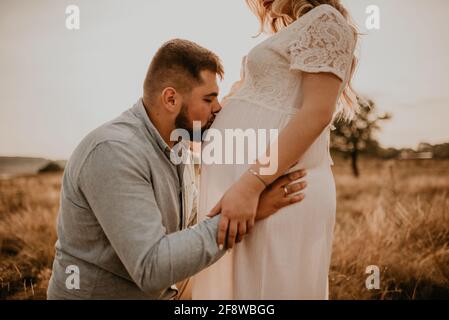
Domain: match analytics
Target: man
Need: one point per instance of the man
(120, 224)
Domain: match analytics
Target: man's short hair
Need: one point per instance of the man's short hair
(178, 64)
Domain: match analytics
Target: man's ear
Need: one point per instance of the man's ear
(171, 99)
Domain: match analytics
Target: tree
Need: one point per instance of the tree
(51, 167)
(356, 136)
(441, 151)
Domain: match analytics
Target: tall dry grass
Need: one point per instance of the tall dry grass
(28, 210)
(396, 216)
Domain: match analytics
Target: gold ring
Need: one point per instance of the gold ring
(285, 191)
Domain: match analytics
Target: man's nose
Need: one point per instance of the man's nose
(216, 108)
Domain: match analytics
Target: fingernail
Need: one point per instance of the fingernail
(220, 247)
(295, 176)
(304, 184)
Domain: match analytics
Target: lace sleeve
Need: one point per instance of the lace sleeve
(324, 44)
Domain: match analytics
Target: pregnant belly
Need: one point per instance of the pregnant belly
(243, 120)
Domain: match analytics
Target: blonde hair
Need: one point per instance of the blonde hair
(284, 12)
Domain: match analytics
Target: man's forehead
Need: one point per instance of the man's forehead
(209, 82)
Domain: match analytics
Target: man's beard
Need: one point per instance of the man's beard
(182, 122)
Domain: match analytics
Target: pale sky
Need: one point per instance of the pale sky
(57, 85)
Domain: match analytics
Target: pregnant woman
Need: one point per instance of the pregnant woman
(296, 81)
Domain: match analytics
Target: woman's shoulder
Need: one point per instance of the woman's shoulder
(324, 13)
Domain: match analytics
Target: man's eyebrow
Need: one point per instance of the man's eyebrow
(213, 94)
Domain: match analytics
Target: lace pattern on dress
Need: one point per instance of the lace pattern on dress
(324, 45)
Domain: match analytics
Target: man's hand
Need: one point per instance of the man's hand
(283, 192)
(273, 198)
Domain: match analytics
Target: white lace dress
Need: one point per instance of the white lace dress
(286, 256)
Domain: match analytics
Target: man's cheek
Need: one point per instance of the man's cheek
(203, 117)
(194, 119)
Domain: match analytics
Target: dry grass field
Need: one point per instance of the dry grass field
(395, 216)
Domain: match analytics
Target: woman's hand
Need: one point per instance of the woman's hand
(238, 208)
(246, 201)
(283, 192)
